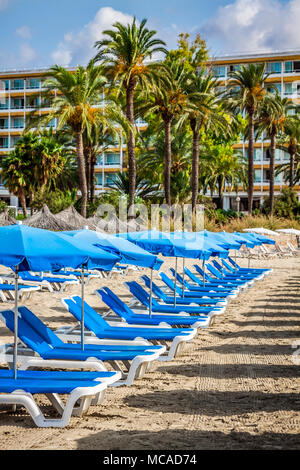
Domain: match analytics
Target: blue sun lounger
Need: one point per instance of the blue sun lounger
(51, 283)
(159, 307)
(203, 296)
(219, 281)
(44, 342)
(7, 292)
(157, 334)
(238, 282)
(83, 389)
(228, 274)
(124, 311)
(210, 287)
(161, 295)
(236, 268)
(189, 289)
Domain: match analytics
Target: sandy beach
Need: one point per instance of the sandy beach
(235, 387)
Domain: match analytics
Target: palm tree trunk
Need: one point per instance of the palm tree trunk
(292, 170)
(167, 155)
(195, 165)
(81, 172)
(22, 201)
(272, 172)
(87, 158)
(131, 147)
(92, 169)
(250, 162)
(220, 190)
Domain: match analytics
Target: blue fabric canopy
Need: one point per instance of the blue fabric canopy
(224, 239)
(258, 239)
(174, 244)
(34, 249)
(128, 252)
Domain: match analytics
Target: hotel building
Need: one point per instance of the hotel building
(21, 92)
(283, 69)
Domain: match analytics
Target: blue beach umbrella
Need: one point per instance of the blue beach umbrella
(128, 252)
(24, 248)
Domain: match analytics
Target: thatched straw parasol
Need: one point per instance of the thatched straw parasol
(115, 225)
(6, 219)
(46, 220)
(72, 218)
(96, 223)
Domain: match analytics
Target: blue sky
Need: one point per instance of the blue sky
(38, 33)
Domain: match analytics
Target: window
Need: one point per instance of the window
(3, 123)
(18, 84)
(288, 89)
(219, 71)
(274, 87)
(278, 155)
(278, 178)
(257, 176)
(14, 139)
(18, 103)
(109, 178)
(266, 176)
(4, 103)
(296, 66)
(267, 154)
(4, 84)
(112, 159)
(4, 142)
(257, 155)
(33, 83)
(18, 123)
(273, 67)
(288, 67)
(98, 177)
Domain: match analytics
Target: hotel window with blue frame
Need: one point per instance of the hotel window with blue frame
(219, 71)
(98, 178)
(4, 84)
(257, 154)
(272, 89)
(18, 123)
(110, 178)
(288, 89)
(4, 142)
(273, 67)
(257, 176)
(288, 67)
(33, 83)
(112, 159)
(3, 123)
(4, 103)
(18, 84)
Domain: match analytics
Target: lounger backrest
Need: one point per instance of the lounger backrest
(26, 332)
(125, 311)
(169, 283)
(214, 271)
(113, 302)
(233, 262)
(192, 276)
(92, 320)
(140, 293)
(217, 265)
(200, 271)
(155, 288)
(227, 266)
(27, 276)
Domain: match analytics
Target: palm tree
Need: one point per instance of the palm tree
(73, 105)
(272, 121)
(246, 93)
(290, 142)
(206, 116)
(124, 51)
(168, 100)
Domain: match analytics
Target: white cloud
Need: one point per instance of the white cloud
(24, 32)
(27, 53)
(78, 47)
(254, 26)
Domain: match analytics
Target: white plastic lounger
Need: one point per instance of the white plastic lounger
(42, 343)
(82, 388)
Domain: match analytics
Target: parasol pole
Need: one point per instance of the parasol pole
(150, 299)
(175, 287)
(15, 359)
(203, 269)
(183, 263)
(82, 308)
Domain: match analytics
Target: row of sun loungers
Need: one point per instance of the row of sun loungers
(266, 252)
(127, 339)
